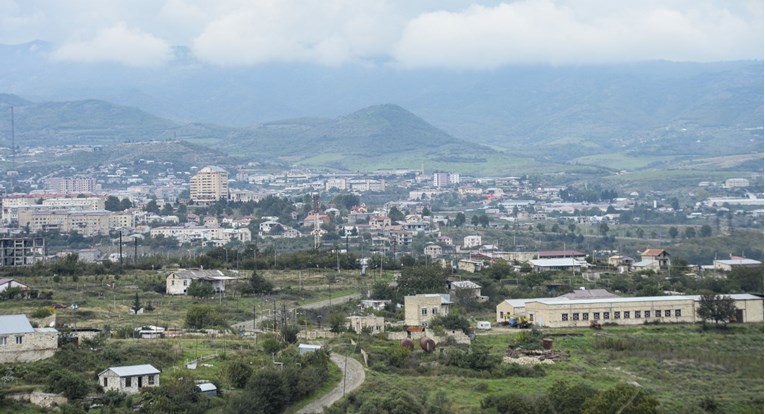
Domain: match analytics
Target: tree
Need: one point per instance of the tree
(204, 316)
(167, 210)
(238, 373)
(395, 215)
(258, 285)
(567, 398)
(422, 279)
(603, 228)
(673, 232)
(200, 289)
(112, 203)
(706, 230)
(484, 220)
(125, 204)
(151, 207)
(690, 232)
(136, 304)
(425, 211)
(720, 309)
(475, 220)
(459, 219)
(624, 399)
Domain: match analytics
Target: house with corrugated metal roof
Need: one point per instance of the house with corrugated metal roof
(20, 342)
(653, 259)
(178, 282)
(129, 379)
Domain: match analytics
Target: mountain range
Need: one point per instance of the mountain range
(652, 113)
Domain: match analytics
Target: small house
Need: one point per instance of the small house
(308, 348)
(208, 388)
(129, 379)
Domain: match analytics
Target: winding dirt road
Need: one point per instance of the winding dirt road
(353, 377)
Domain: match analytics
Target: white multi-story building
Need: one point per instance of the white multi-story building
(68, 185)
(471, 241)
(209, 185)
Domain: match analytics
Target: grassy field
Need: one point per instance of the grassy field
(678, 364)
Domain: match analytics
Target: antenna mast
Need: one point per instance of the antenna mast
(13, 149)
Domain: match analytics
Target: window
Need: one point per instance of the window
(3, 340)
(667, 313)
(596, 315)
(564, 317)
(576, 316)
(434, 311)
(185, 282)
(658, 314)
(677, 313)
(637, 315)
(106, 382)
(424, 311)
(19, 339)
(617, 315)
(501, 315)
(172, 283)
(151, 379)
(647, 314)
(626, 314)
(128, 381)
(606, 315)
(531, 317)
(585, 316)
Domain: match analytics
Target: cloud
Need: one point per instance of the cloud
(449, 34)
(327, 32)
(564, 32)
(118, 43)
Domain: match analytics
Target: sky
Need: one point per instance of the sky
(445, 34)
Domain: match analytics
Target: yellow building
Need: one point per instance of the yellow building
(209, 185)
(562, 312)
(419, 310)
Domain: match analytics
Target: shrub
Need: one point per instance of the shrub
(42, 312)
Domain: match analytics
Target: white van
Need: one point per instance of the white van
(483, 325)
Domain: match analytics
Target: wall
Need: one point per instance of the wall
(34, 347)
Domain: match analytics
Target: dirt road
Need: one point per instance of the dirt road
(353, 377)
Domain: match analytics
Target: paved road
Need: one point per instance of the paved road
(248, 325)
(353, 377)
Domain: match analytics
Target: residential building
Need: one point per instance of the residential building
(419, 310)
(736, 183)
(20, 342)
(22, 251)
(433, 250)
(178, 282)
(470, 242)
(735, 262)
(653, 259)
(549, 265)
(209, 185)
(467, 288)
(375, 324)
(68, 185)
(470, 266)
(129, 379)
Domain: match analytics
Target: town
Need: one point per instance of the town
(133, 277)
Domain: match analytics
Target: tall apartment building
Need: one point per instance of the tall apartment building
(209, 185)
(68, 185)
(21, 251)
(442, 179)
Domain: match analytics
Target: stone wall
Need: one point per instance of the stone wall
(34, 347)
(458, 336)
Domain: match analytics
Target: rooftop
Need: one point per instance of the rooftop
(13, 324)
(133, 370)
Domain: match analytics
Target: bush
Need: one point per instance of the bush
(42, 312)
(238, 373)
(622, 398)
(68, 383)
(204, 316)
